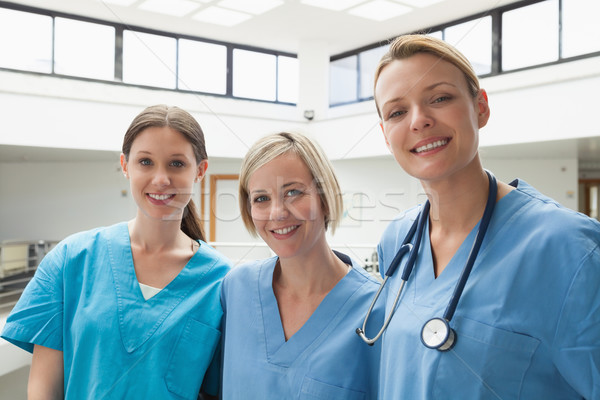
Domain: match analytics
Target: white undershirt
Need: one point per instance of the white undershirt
(149, 291)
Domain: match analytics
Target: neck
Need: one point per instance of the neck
(457, 203)
(152, 235)
(313, 273)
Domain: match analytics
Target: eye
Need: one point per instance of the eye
(177, 164)
(260, 199)
(293, 192)
(396, 114)
(442, 99)
(145, 161)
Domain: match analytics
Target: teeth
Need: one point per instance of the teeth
(431, 146)
(160, 196)
(284, 230)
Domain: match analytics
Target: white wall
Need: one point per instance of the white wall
(52, 200)
(48, 201)
(548, 103)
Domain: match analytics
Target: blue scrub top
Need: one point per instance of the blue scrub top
(85, 300)
(324, 360)
(528, 322)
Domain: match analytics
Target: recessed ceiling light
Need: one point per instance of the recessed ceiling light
(221, 16)
(336, 5)
(253, 7)
(419, 3)
(177, 8)
(380, 10)
(118, 2)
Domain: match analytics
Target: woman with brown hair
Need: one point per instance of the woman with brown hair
(131, 310)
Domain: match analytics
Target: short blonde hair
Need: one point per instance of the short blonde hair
(274, 145)
(406, 46)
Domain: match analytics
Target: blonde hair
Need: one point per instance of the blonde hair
(406, 46)
(274, 145)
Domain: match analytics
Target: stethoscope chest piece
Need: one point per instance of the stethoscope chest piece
(437, 334)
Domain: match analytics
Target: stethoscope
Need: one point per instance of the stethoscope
(436, 333)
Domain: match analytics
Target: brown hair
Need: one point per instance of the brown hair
(184, 123)
(274, 145)
(406, 46)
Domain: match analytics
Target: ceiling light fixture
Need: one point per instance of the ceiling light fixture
(221, 16)
(380, 10)
(176, 8)
(123, 3)
(335, 5)
(253, 7)
(419, 3)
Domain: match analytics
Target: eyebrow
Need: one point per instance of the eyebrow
(430, 87)
(285, 185)
(172, 155)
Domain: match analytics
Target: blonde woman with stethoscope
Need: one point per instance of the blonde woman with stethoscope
(493, 288)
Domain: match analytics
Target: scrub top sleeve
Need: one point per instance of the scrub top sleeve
(37, 318)
(577, 339)
(212, 377)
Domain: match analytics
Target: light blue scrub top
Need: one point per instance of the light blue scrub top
(528, 321)
(324, 360)
(85, 300)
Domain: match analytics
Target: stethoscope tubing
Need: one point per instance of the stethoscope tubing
(406, 247)
(417, 228)
(485, 221)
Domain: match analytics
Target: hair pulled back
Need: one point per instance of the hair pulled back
(183, 122)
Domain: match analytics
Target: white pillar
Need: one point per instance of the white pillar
(313, 63)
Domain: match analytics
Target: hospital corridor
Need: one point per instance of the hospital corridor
(375, 142)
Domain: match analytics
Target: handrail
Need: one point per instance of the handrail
(11, 285)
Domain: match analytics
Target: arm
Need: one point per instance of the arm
(46, 374)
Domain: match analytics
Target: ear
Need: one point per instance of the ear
(124, 166)
(201, 170)
(483, 108)
(387, 143)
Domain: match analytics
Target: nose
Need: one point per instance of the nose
(279, 211)
(161, 178)
(420, 119)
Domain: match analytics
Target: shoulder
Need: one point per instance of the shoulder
(85, 242)
(554, 224)
(402, 222)
(363, 275)
(208, 255)
(247, 272)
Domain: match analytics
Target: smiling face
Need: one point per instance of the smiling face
(286, 207)
(430, 120)
(162, 169)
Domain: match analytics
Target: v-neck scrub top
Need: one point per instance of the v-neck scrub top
(325, 359)
(85, 301)
(528, 322)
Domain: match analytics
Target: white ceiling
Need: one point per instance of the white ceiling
(284, 27)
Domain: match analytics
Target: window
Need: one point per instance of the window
(474, 40)
(530, 35)
(580, 32)
(254, 75)
(343, 75)
(202, 67)
(287, 79)
(149, 59)
(368, 61)
(26, 41)
(84, 49)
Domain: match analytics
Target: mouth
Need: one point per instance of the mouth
(286, 230)
(160, 197)
(430, 146)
